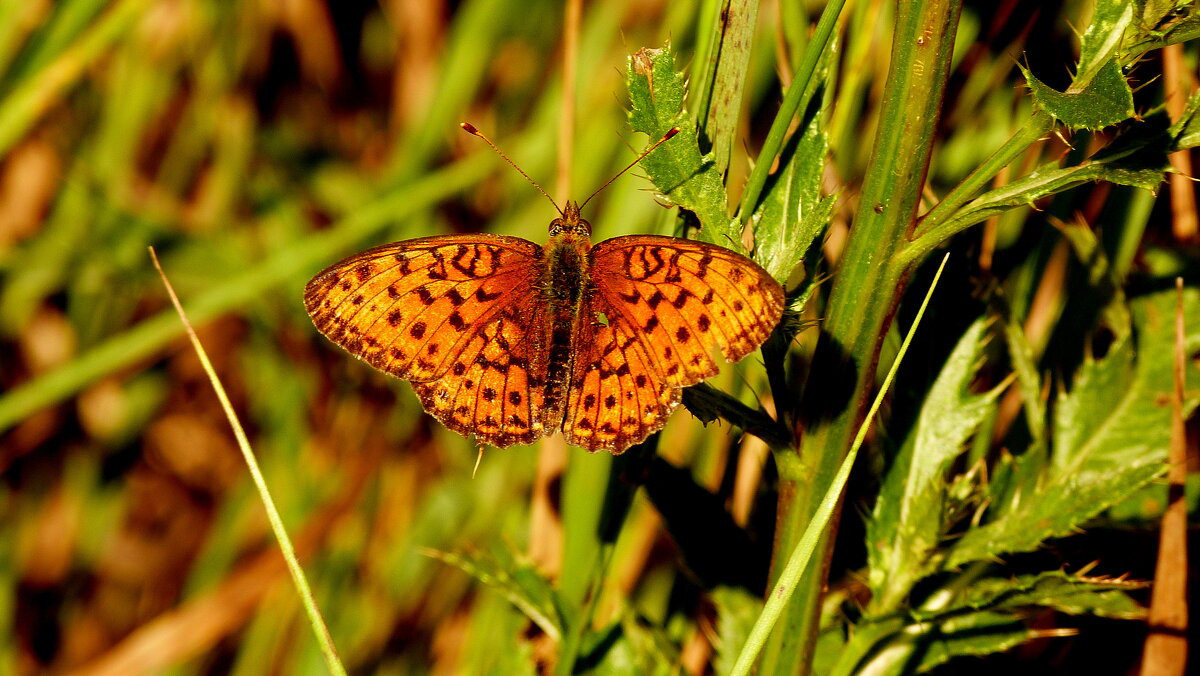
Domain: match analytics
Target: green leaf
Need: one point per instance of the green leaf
(1030, 383)
(1071, 594)
(1101, 42)
(1098, 96)
(793, 214)
(1185, 132)
(989, 616)
(737, 609)
(520, 583)
(1102, 102)
(681, 173)
(975, 634)
(1138, 158)
(1110, 437)
(908, 520)
(1115, 414)
(1056, 510)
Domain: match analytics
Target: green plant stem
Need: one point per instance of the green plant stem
(738, 21)
(796, 99)
(936, 226)
(154, 334)
(801, 556)
(862, 301)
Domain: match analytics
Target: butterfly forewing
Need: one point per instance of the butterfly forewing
(458, 316)
(666, 303)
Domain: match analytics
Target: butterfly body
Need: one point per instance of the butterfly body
(564, 290)
(509, 341)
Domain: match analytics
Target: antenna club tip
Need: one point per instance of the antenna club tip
(673, 131)
(469, 128)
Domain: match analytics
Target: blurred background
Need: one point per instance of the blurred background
(253, 144)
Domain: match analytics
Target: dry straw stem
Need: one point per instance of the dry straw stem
(1179, 83)
(1166, 648)
(285, 543)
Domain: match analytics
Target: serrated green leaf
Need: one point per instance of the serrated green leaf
(1111, 432)
(920, 646)
(1099, 95)
(520, 583)
(1055, 510)
(989, 616)
(681, 173)
(737, 610)
(907, 522)
(1071, 594)
(1138, 158)
(793, 215)
(1115, 414)
(1185, 132)
(1104, 100)
(1028, 381)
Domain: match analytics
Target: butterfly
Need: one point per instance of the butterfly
(509, 341)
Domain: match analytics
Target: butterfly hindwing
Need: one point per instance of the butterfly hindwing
(616, 397)
(661, 305)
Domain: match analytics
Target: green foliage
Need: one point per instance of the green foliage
(520, 583)
(910, 516)
(688, 178)
(793, 214)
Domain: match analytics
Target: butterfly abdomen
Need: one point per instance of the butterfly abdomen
(564, 282)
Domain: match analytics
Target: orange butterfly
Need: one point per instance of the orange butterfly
(510, 341)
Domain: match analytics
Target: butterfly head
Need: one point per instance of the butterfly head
(570, 222)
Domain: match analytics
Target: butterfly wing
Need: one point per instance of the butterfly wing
(664, 302)
(459, 316)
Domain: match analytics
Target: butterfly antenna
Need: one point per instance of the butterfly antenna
(666, 137)
(470, 129)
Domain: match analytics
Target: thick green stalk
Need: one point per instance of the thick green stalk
(862, 301)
